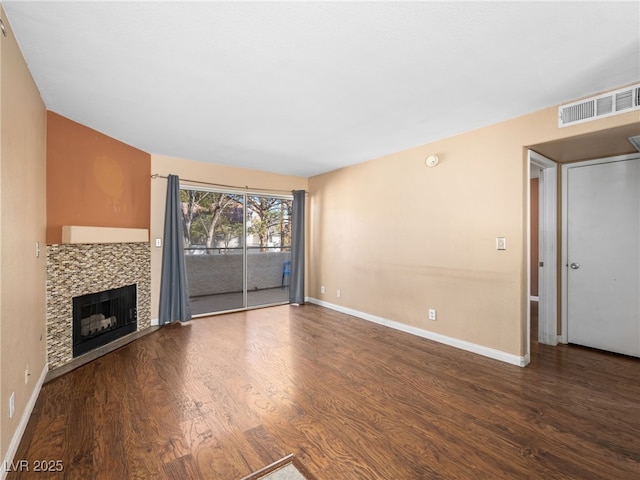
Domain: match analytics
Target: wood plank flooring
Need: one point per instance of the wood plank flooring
(221, 397)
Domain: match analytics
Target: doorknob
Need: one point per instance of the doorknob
(575, 266)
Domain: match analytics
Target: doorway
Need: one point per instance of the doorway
(545, 170)
(237, 249)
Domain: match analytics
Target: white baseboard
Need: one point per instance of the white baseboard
(155, 322)
(17, 436)
(534, 298)
(520, 361)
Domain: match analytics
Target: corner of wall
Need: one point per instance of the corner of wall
(22, 231)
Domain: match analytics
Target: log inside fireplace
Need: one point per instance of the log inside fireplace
(102, 317)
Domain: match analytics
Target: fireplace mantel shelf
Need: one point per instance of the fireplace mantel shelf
(74, 234)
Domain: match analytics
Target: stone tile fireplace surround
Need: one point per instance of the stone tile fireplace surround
(79, 269)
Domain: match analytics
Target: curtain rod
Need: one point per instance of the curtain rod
(246, 187)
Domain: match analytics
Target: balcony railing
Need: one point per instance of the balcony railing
(221, 270)
(197, 250)
(215, 277)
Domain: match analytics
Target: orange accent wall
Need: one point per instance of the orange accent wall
(93, 179)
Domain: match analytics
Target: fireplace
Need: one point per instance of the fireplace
(101, 317)
(75, 270)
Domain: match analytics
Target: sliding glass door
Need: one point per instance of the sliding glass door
(237, 249)
(268, 250)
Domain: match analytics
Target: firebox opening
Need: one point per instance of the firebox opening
(102, 317)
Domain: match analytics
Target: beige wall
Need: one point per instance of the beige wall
(191, 170)
(23, 222)
(398, 238)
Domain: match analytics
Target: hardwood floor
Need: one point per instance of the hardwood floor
(221, 397)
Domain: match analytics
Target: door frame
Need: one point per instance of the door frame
(564, 315)
(547, 233)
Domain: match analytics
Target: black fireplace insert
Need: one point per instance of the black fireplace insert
(102, 317)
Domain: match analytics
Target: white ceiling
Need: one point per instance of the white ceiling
(303, 88)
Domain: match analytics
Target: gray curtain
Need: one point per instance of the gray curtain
(296, 287)
(174, 291)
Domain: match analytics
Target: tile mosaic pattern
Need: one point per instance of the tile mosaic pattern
(74, 270)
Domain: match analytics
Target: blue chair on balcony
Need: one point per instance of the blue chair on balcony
(286, 271)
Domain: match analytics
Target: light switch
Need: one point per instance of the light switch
(501, 243)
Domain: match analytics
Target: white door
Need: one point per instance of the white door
(603, 256)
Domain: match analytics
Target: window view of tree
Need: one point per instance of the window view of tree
(213, 222)
(269, 222)
(209, 219)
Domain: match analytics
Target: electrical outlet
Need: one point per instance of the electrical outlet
(338, 293)
(26, 375)
(501, 243)
(158, 242)
(12, 404)
(322, 289)
(37, 249)
(432, 314)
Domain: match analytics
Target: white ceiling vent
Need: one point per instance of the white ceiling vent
(605, 105)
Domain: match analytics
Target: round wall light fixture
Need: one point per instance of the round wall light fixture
(431, 161)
